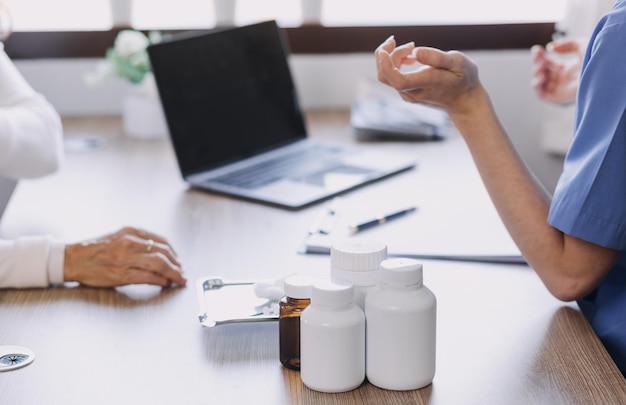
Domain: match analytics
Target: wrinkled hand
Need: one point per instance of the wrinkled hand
(128, 256)
(555, 79)
(447, 80)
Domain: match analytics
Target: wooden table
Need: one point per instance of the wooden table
(501, 337)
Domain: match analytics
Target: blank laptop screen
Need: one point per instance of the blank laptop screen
(226, 94)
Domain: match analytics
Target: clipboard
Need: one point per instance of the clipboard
(224, 301)
(331, 225)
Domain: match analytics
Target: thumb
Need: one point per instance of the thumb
(434, 57)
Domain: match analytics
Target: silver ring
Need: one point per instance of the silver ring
(149, 245)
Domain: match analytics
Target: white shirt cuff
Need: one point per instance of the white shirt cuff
(56, 261)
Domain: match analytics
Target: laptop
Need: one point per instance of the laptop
(7, 186)
(236, 126)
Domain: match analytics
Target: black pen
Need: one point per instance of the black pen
(354, 228)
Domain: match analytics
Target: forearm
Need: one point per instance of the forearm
(568, 266)
(520, 199)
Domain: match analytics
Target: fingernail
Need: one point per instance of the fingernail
(390, 38)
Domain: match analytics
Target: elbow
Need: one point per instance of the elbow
(35, 142)
(46, 167)
(567, 289)
(31, 166)
(48, 156)
(40, 169)
(576, 269)
(565, 295)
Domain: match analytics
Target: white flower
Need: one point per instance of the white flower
(127, 58)
(130, 42)
(103, 71)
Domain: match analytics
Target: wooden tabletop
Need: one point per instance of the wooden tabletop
(501, 337)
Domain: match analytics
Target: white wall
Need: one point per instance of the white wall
(507, 77)
(322, 81)
(328, 82)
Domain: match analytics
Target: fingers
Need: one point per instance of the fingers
(140, 276)
(387, 71)
(556, 70)
(542, 63)
(403, 54)
(157, 267)
(139, 245)
(387, 46)
(538, 54)
(153, 246)
(544, 70)
(564, 45)
(389, 57)
(437, 58)
(152, 256)
(142, 236)
(451, 62)
(128, 256)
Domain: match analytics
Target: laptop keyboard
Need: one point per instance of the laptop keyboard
(292, 165)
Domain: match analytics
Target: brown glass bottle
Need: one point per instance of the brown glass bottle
(296, 299)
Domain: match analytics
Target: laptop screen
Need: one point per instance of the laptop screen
(226, 94)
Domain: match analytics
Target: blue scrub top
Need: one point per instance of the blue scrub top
(590, 199)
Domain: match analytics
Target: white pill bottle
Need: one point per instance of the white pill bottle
(332, 339)
(401, 328)
(357, 260)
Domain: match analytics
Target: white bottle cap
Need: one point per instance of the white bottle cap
(299, 286)
(333, 294)
(357, 260)
(401, 272)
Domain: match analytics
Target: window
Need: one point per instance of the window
(440, 12)
(76, 15)
(57, 15)
(80, 28)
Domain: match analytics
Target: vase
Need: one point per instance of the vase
(142, 113)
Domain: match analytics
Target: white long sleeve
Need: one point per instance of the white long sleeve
(31, 145)
(31, 133)
(30, 262)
